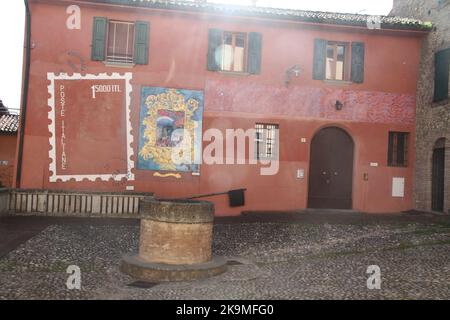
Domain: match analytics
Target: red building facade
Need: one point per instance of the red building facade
(8, 143)
(339, 89)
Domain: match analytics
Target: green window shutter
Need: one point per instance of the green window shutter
(358, 52)
(141, 43)
(391, 149)
(254, 53)
(320, 51)
(99, 38)
(441, 65)
(214, 42)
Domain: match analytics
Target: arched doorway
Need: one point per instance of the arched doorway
(438, 174)
(331, 170)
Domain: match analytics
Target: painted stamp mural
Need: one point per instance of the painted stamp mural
(90, 127)
(170, 134)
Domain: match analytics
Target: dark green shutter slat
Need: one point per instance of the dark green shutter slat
(391, 149)
(441, 65)
(99, 38)
(254, 52)
(141, 44)
(320, 51)
(358, 52)
(214, 42)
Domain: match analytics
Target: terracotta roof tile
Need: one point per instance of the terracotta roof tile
(349, 19)
(9, 123)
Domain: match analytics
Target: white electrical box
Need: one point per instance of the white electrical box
(398, 187)
(300, 174)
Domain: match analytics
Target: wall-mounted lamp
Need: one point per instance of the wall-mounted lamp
(294, 70)
(339, 105)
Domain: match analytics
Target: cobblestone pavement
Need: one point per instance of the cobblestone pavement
(305, 256)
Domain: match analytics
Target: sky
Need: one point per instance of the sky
(12, 21)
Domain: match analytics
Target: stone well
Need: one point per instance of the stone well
(175, 242)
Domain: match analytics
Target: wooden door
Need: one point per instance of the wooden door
(438, 180)
(331, 170)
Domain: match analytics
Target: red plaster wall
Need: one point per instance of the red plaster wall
(7, 153)
(178, 47)
(100, 125)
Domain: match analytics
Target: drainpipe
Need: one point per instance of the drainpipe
(25, 86)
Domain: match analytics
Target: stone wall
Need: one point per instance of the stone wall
(433, 119)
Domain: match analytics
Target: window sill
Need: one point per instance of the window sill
(437, 104)
(119, 65)
(338, 82)
(234, 73)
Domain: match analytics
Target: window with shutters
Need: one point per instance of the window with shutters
(266, 141)
(234, 51)
(398, 149)
(120, 43)
(441, 75)
(337, 61)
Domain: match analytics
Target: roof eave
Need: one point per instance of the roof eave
(241, 11)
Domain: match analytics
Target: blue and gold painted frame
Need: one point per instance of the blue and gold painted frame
(170, 121)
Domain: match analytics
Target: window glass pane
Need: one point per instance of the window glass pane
(228, 38)
(330, 63)
(121, 39)
(111, 40)
(131, 41)
(227, 57)
(339, 70)
(240, 41)
(239, 59)
(120, 46)
(340, 53)
(330, 51)
(340, 63)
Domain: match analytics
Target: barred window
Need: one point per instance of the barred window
(120, 45)
(266, 141)
(398, 149)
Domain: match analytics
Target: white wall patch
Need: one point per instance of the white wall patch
(398, 187)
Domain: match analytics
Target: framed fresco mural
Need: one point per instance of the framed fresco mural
(170, 133)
